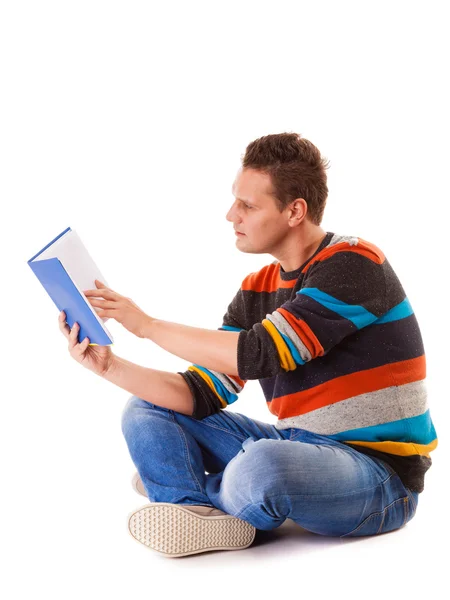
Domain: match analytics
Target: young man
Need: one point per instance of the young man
(329, 332)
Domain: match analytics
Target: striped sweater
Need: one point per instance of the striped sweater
(337, 350)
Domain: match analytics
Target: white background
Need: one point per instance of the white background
(126, 121)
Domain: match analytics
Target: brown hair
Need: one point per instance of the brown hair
(296, 169)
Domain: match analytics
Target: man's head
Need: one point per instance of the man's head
(280, 193)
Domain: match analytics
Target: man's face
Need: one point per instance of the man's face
(255, 214)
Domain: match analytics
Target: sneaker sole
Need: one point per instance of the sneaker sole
(175, 531)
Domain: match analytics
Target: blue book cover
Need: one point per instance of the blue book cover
(65, 269)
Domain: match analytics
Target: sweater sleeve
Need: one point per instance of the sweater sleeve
(342, 294)
(213, 391)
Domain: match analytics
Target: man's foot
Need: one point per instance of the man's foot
(182, 529)
(138, 486)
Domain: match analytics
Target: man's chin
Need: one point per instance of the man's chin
(246, 248)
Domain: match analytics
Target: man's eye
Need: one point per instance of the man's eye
(248, 206)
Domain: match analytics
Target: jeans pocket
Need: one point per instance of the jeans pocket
(394, 516)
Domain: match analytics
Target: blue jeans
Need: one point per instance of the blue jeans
(252, 470)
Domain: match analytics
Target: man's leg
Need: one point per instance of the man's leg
(171, 450)
(324, 486)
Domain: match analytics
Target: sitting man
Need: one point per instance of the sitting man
(330, 334)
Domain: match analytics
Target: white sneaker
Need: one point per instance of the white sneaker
(182, 529)
(138, 486)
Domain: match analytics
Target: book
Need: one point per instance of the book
(65, 268)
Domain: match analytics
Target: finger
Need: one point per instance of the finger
(65, 329)
(102, 292)
(83, 345)
(100, 284)
(73, 336)
(104, 303)
(62, 324)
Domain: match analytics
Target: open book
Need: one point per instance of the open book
(65, 268)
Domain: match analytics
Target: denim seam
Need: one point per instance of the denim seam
(383, 512)
(411, 497)
(382, 520)
(406, 509)
(379, 512)
(187, 457)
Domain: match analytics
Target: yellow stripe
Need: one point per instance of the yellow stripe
(210, 383)
(400, 448)
(286, 360)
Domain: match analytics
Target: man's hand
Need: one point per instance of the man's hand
(98, 359)
(120, 308)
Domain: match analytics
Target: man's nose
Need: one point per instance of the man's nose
(230, 213)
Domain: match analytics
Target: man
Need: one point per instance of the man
(328, 331)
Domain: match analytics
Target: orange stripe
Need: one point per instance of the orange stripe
(237, 379)
(364, 248)
(400, 448)
(304, 332)
(266, 280)
(210, 383)
(349, 386)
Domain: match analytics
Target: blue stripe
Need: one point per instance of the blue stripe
(401, 311)
(295, 354)
(358, 315)
(418, 429)
(229, 328)
(229, 397)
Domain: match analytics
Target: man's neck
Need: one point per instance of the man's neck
(295, 260)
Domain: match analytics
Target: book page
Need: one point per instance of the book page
(77, 261)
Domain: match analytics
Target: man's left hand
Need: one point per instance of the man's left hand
(120, 308)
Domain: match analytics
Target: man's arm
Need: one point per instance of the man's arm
(214, 390)
(210, 348)
(162, 388)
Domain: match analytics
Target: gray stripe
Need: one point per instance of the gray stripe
(282, 325)
(229, 384)
(365, 410)
(337, 239)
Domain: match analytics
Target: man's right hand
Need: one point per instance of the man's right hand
(98, 359)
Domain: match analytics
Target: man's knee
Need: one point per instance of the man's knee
(137, 411)
(255, 470)
(130, 411)
(268, 467)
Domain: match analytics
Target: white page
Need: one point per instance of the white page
(77, 261)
